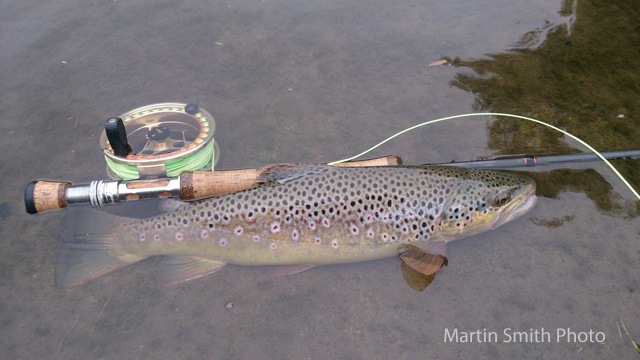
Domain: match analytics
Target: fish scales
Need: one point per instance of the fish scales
(318, 214)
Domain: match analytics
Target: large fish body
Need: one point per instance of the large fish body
(303, 215)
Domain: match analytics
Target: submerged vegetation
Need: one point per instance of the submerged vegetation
(584, 77)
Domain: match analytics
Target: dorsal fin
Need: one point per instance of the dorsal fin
(282, 173)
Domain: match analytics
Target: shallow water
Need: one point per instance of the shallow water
(297, 81)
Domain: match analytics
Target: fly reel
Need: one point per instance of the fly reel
(158, 141)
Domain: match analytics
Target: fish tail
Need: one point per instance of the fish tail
(87, 254)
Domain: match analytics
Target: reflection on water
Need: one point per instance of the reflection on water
(533, 39)
(552, 223)
(588, 181)
(574, 75)
(302, 81)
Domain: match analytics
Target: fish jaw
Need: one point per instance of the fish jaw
(517, 209)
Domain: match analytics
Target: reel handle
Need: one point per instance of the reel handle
(41, 195)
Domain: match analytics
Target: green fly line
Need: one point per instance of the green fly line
(195, 161)
(615, 171)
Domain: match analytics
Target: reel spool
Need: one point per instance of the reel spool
(158, 141)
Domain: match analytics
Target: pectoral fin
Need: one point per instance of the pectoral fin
(414, 279)
(435, 248)
(181, 268)
(418, 267)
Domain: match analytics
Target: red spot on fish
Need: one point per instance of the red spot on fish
(256, 238)
(156, 237)
(204, 234)
(318, 241)
(238, 230)
(354, 230)
(273, 246)
(370, 233)
(142, 238)
(295, 235)
(326, 223)
(179, 236)
(334, 244)
(274, 227)
(312, 225)
(222, 242)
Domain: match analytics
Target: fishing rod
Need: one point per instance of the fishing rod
(530, 161)
(43, 195)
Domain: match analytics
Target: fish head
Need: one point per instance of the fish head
(483, 200)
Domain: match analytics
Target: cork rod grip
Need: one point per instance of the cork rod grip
(389, 160)
(199, 184)
(43, 195)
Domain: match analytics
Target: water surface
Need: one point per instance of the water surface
(317, 81)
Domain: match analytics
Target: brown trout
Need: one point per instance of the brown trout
(303, 216)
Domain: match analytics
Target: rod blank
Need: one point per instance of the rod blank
(530, 161)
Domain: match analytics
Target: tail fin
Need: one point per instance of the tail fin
(86, 255)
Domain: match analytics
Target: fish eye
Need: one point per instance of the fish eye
(502, 199)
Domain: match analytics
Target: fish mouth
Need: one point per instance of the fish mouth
(517, 209)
